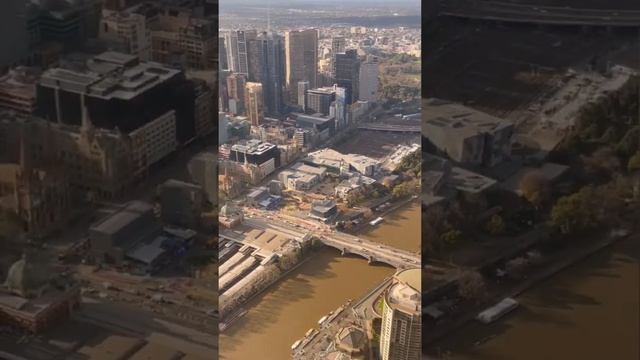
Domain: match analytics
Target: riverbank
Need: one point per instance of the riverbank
(365, 227)
(322, 283)
(290, 307)
(231, 315)
(588, 311)
(552, 265)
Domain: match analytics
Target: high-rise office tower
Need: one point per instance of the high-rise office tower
(368, 82)
(347, 73)
(338, 45)
(222, 54)
(235, 89)
(301, 49)
(59, 94)
(236, 45)
(303, 86)
(254, 102)
(266, 66)
(223, 93)
(14, 38)
(68, 22)
(320, 100)
(401, 332)
(340, 107)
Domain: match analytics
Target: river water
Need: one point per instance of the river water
(284, 313)
(590, 311)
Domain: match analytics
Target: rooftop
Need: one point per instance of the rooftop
(316, 119)
(109, 75)
(462, 120)
(323, 205)
(255, 147)
(118, 220)
(405, 294)
(314, 170)
(323, 90)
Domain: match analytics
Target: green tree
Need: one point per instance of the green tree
(603, 163)
(471, 285)
(495, 226)
(400, 190)
(451, 237)
(630, 143)
(535, 188)
(634, 162)
(573, 213)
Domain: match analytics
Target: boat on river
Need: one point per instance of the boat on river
(497, 311)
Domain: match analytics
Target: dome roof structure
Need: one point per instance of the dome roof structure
(26, 278)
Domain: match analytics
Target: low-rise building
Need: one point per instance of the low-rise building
(466, 136)
(355, 184)
(230, 216)
(319, 171)
(324, 210)
(126, 32)
(298, 181)
(261, 198)
(344, 162)
(351, 340)
(18, 90)
(180, 203)
(152, 254)
(34, 300)
(442, 181)
(112, 237)
(204, 172)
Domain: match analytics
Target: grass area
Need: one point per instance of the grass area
(379, 306)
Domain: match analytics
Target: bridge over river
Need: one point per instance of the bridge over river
(346, 243)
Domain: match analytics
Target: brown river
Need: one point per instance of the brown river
(283, 314)
(590, 311)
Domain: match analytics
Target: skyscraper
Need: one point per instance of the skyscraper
(236, 46)
(14, 39)
(303, 86)
(254, 102)
(338, 45)
(235, 88)
(320, 100)
(401, 333)
(340, 107)
(222, 54)
(266, 66)
(347, 73)
(368, 82)
(301, 49)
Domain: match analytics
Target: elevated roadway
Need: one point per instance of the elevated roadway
(391, 128)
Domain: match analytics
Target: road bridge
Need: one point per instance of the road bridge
(391, 128)
(347, 244)
(535, 14)
(372, 251)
